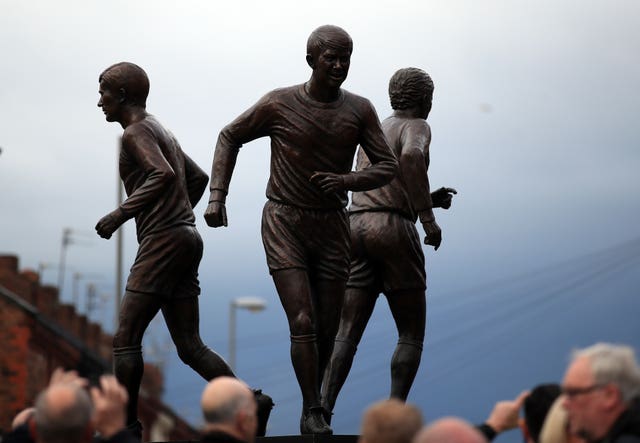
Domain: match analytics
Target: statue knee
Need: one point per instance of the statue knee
(302, 325)
(127, 335)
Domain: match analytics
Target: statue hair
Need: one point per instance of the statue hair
(408, 88)
(131, 78)
(329, 36)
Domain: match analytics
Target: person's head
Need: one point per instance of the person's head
(229, 405)
(22, 417)
(411, 88)
(535, 409)
(121, 85)
(599, 384)
(63, 414)
(329, 51)
(449, 430)
(390, 421)
(556, 426)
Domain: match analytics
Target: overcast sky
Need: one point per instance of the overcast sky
(533, 122)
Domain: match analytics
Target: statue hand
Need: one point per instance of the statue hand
(109, 223)
(330, 183)
(433, 234)
(216, 214)
(442, 197)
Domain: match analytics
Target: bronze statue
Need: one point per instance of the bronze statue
(163, 185)
(315, 128)
(386, 255)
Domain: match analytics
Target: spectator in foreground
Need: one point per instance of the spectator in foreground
(504, 416)
(556, 426)
(230, 412)
(599, 389)
(390, 421)
(67, 412)
(449, 430)
(535, 405)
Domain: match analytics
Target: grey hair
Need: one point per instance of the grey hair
(226, 412)
(614, 364)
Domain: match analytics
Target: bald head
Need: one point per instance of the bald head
(229, 405)
(390, 421)
(449, 430)
(63, 414)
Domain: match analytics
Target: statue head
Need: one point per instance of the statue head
(328, 36)
(129, 80)
(329, 55)
(411, 88)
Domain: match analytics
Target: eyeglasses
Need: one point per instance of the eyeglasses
(574, 392)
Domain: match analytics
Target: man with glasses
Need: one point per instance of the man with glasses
(600, 391)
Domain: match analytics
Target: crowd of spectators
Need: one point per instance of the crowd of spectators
(598, 401)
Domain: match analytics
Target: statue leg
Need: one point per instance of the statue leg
(409, 309)
(328, 300)
(183, 321)
(356, 311)
(136, 312)
(294, 291)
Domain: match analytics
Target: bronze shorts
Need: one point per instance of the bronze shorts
(167, 263)
(386, 253)
(310, 239)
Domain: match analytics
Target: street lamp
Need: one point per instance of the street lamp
(253, 304)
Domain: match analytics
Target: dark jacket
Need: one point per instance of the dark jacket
(626, 428)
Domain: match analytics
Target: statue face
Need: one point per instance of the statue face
(331, 66)
(110, 102)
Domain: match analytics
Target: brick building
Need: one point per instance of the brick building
(38, 334)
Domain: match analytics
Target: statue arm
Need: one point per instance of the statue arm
(252, 124)
(414, 165)
(196, 179)
(142, 145)
(384, 165)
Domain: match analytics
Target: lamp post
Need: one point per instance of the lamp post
(252, 304)
(75, 294)
(42, 266)
(67, 239)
